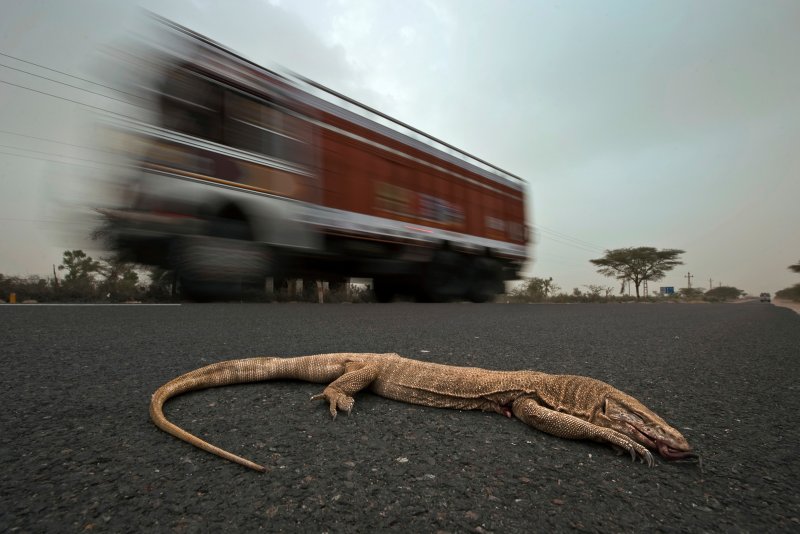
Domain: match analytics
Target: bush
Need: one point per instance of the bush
(722, 293)
(354, 294)
(534, 290)
(790, 293)
(26, 288)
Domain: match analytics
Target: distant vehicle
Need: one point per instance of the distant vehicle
(242, 173)
(765, 297)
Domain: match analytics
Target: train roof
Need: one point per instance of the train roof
(335, 103)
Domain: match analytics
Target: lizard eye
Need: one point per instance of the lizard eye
(631, 417)
(614, 410)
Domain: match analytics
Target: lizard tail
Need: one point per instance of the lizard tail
(218, 374)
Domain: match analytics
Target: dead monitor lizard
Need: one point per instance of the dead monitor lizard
(573, 407)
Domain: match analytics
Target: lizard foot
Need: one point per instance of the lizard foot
(623, 444)
(337, 400)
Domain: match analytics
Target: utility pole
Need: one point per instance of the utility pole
(689, 280)
(709, 283)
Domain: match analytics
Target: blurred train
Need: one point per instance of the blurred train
(241, 173)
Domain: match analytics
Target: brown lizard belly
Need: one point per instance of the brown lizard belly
(413, 395)
(441, 386)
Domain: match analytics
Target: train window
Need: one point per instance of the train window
(258, 127)
(191, 104)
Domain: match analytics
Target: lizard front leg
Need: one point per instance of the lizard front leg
(339, 393)
(568, 426)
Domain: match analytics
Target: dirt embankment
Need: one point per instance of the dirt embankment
(792, 305)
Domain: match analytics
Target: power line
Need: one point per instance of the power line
(55, 154)
(70, 85)
(578, 241)
(51, 221)
(567, 242)
(52, 141)
(104, 110)
(71, 75)
(555, 236)
(562, 234)
(550, 258)
(53, 160)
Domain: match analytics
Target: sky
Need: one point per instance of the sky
(672, 124)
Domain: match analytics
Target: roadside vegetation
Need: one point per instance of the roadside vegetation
(638, 265)
(79, 278)
(791, 293)
(531, 290)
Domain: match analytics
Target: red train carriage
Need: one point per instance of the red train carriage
(243, 173)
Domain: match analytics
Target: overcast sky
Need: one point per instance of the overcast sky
(670, 124)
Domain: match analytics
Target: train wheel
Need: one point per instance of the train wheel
(444, 278)
(484, 280)
(385, 289)
(212, 268)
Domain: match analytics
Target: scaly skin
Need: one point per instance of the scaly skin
(572, 407)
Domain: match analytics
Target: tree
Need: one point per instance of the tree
(723, 293)
(162, 283)
(538, 289)
(80, 268)
(596, 292)
(31, 287)
(691, 292)
(120, 279)
(638, 264)
(791, 293)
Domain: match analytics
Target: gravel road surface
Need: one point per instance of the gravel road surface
(80, 454)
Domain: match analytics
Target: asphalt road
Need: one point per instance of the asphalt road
(80, 454)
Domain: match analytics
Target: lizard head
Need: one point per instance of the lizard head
(625, 414)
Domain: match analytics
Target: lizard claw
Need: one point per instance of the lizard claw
(640, 452)
(645, 455)
(336, 400)
(636, 450)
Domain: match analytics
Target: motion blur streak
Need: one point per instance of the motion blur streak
(238, 173)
